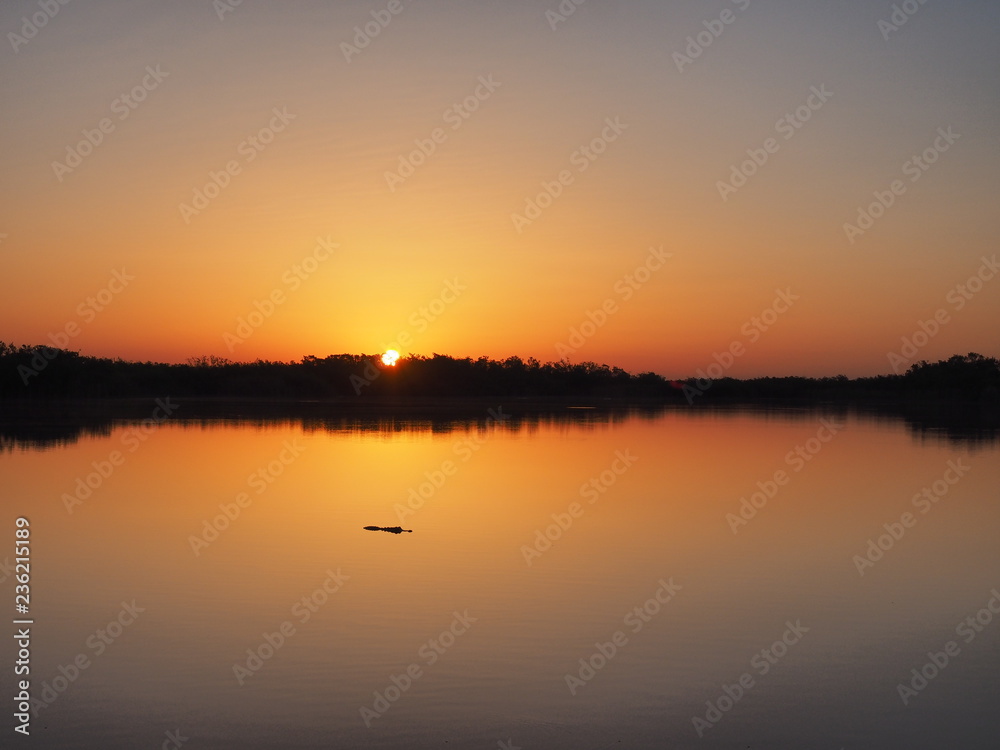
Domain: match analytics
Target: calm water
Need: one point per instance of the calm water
(579, 583)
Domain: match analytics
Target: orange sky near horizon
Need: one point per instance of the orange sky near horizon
(381, 196)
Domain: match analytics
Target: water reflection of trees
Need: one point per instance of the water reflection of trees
(45, 425)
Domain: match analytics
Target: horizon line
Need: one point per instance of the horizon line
(701, 374)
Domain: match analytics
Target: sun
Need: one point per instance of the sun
(390, 358)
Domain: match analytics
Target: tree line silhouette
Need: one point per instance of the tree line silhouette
(40, 372)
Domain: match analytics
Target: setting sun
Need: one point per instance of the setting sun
(390, 357)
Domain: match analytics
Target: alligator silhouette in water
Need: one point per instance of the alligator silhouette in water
(390, 529)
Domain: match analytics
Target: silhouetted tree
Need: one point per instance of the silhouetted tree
(34, 372)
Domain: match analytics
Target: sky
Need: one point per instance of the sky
(775, 188)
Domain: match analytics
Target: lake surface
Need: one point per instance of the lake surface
(586, 581)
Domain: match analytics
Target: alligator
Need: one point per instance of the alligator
(390, 529)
